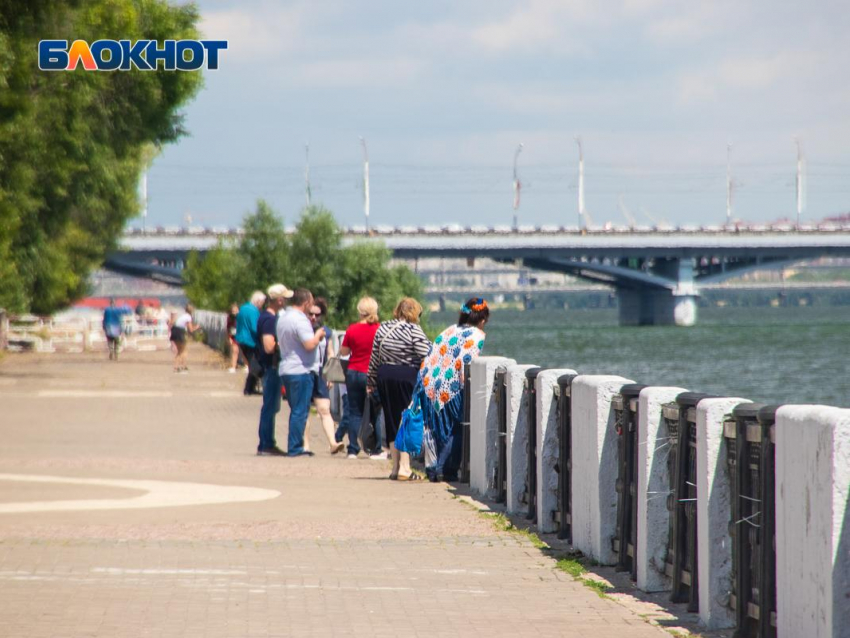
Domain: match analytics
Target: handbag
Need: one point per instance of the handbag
(255, 368)
(429, 448)
(367, 437)
(412, 428)
(333, 370)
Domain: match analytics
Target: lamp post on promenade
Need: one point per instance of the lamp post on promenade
(365, 182)
(517, 186)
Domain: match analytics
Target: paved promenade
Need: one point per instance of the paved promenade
(152, 516)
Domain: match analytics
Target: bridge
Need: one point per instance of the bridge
(657, 273)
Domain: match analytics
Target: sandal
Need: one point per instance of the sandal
(410, 477)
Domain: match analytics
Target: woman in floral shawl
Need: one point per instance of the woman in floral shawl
(441, 386)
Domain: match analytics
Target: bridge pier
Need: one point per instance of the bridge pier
(656, 308)
(674, 305)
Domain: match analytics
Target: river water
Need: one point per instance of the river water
(768, 355)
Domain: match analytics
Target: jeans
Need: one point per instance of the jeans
(271, 406)
(356, 383)
(299, 394)
(342, 428)
(251, 382)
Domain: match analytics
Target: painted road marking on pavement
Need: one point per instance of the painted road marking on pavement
(157, 494)
(107, 574)
(120, 394)
(102, 394)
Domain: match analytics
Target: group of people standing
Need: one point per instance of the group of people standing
(389, 365)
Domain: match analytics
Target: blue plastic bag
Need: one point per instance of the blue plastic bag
(409, 437)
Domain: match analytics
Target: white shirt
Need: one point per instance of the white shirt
(293, 329)
(183, 320)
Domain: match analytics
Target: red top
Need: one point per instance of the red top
(360, 337)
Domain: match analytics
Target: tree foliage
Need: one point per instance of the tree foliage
(73, 143)
(313, 257)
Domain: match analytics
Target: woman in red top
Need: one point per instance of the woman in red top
(358, 343)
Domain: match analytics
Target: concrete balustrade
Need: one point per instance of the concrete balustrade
(812, 446)
(653, 488)
(813, 521)
(517, 436)
(714, 514)
(483, 423)
(594, 473)
(547, 447)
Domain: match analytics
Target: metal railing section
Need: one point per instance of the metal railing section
(750, 457)
(625, 406)
(563, 515)
(500, 478)
(681, 560)
(531, 449)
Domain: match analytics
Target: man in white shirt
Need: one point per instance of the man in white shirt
(298, 353)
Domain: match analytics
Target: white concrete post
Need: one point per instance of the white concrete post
(483, 422)
(594, 469)
(548, 449)
(714, 513)
(517, 439)
(812, 521)
(653, 487)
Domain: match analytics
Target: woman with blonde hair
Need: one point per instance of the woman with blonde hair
(357, 343)
(399, 347)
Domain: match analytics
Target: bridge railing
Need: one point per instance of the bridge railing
(80, 333)
(754, 497)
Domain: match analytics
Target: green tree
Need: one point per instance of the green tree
(313, 257)
(72, 144)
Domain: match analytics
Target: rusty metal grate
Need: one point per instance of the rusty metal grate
(563, 514)
(625, 406)
(750, 457)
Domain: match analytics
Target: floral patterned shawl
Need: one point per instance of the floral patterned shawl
(441, 373)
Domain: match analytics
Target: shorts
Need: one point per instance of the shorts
(178, 335)
(320, 387)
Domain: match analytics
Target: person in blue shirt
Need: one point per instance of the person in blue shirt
(248, 341)
(113, 328)
(268, 357)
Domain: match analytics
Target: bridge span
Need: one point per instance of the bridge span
(657, 275)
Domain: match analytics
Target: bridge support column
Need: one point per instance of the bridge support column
(656, 308)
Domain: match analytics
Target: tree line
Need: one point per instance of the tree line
(313, 256)
(73, 143)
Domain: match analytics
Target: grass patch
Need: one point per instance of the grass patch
(575, 566)
(503, 524)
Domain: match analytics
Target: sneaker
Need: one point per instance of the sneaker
(271, 451)
(351, 456)
(379, 457)
(302, 453)
(232, 370)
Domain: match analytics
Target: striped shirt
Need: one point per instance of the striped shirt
(399, 343)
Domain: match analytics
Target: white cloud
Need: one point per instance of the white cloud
(539, 99)
(361, 72)
(747, 73)
(254, 34)
(547, 23)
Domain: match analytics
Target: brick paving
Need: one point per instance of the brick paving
(340, 552)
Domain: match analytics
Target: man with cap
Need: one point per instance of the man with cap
(269, 359)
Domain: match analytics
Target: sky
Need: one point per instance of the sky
(444, 91)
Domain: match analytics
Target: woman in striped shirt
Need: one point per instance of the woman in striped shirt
(397, 352)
